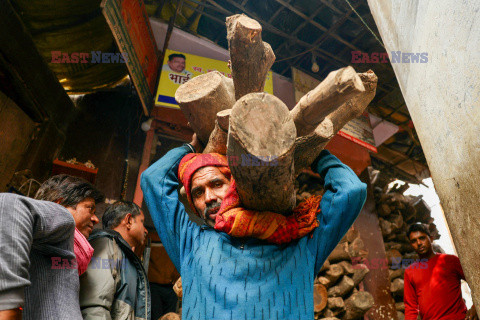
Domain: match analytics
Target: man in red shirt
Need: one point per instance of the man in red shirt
(432, 285)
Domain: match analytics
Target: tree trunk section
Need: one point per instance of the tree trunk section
(359, 274)
(340, 253)
(334, 273)
(334, 91)
(319, 297)
(342, 289)
(250, 57)
(357, 305)
(261, 141)
(201, 98)
(307, 148)
(217, 143)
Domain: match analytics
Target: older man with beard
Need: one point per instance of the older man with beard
(243, 264)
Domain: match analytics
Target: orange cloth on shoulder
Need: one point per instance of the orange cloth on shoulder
(240, 222)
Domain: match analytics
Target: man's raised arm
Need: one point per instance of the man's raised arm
(159, 184)
(341, 203)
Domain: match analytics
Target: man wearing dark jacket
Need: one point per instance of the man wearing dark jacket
(115, 285)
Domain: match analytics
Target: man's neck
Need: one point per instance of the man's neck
(125, 236)
(428, 255)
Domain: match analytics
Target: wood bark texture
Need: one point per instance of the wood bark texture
(307, 148)
(250, 57)
(319, 297)
(201, 98)
(217, 143)
(334, 91)
(261, 141)
(357, 305)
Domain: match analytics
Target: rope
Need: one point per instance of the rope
(365, 24)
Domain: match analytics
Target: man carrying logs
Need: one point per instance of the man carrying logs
(245, 264)
(256, 254)
(432, 288)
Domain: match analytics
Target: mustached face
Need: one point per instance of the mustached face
(210, 213)
(209, 187)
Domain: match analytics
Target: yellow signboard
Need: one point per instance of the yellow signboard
(180, 67)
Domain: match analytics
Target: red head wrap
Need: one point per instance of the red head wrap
(195, 161)
(239, 222)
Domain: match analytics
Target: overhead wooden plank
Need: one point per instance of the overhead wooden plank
(131, 29)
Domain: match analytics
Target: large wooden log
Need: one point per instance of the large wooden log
(335, 90)
(397, 273)
(347, 268)
(359, 274)
(342, 288)
(319, 297)
(334, 273)
(357, 305)
(340, 253)
(217, 143)
(201, 98)
(250, 57)
(336, 304)
(326, 282)
(397, 287)
(261, 141)
(357, 248)
(307, 148)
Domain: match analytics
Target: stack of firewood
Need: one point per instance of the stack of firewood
(337, 292)
(396, 212)
(337, 288)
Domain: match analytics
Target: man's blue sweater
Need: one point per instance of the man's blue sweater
(243, 278)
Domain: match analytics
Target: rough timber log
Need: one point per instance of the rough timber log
(359, 274)
(342, 288)
(334, 273)
(335, 90)
(261, 141)
(357, 305)
(250, 57)
(340, 253)
(319, 297)
(307, 148)
(201, 98)
(217, 142)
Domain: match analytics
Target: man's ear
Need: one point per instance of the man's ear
(128, 220)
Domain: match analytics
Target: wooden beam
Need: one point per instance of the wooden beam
(271, 28)
(324, 36)
(300, 26)
(316, 24)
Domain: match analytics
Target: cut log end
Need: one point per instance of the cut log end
(320, 297)
(243, 23)
(261, 121)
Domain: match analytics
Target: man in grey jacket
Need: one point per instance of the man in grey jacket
(32, 232)
(115, 285)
